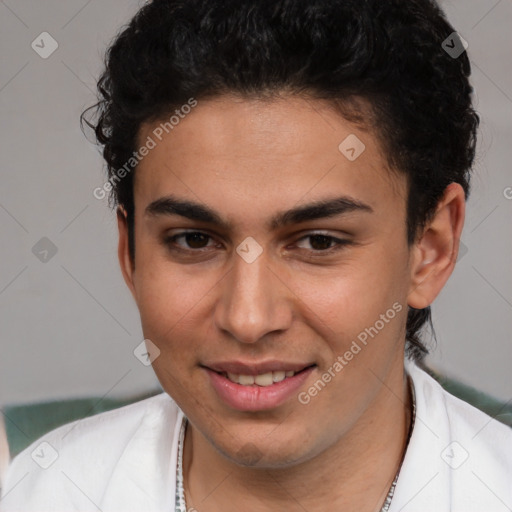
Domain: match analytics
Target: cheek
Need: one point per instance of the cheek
(343, 303)
(171, 301)
(173, 308)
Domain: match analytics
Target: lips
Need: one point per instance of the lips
(257, 387)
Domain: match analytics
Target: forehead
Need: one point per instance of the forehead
(228, 151)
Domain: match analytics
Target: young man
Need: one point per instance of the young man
(290, 181)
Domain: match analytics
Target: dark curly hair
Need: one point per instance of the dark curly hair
(387, 52)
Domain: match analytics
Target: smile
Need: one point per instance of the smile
(263, 379)
(260, 391)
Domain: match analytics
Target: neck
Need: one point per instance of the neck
(354, 474)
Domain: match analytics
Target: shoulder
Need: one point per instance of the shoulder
(114, 427)
(463, 418)
(75, 463)
(458, 458)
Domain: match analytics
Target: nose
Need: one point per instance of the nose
(254, 301)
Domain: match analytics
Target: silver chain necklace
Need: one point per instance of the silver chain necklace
(181, 506)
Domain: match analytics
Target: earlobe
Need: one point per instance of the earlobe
(435, 252)
(123, 252)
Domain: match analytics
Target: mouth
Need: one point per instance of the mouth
(253, 390)
(262, 379)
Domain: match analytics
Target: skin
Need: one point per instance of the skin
(248, 159)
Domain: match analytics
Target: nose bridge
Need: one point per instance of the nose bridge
(251, 305)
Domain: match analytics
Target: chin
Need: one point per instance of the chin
(265, 453)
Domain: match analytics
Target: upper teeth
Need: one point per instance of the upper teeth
(264, 379)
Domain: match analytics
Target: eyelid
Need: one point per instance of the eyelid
(168, 239)
(339, 243)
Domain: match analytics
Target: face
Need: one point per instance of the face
(235, 285)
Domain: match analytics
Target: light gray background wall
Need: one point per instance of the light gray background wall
(68, 326)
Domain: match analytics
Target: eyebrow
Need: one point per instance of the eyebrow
(172, 205)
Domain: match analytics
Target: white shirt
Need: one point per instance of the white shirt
(459, 459)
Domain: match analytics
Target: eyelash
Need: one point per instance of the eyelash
(170, 242)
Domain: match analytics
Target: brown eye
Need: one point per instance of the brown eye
(194, 240)
(320, 242)
(324, 243)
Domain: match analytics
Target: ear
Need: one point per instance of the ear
(434, 254)
(123, 252)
